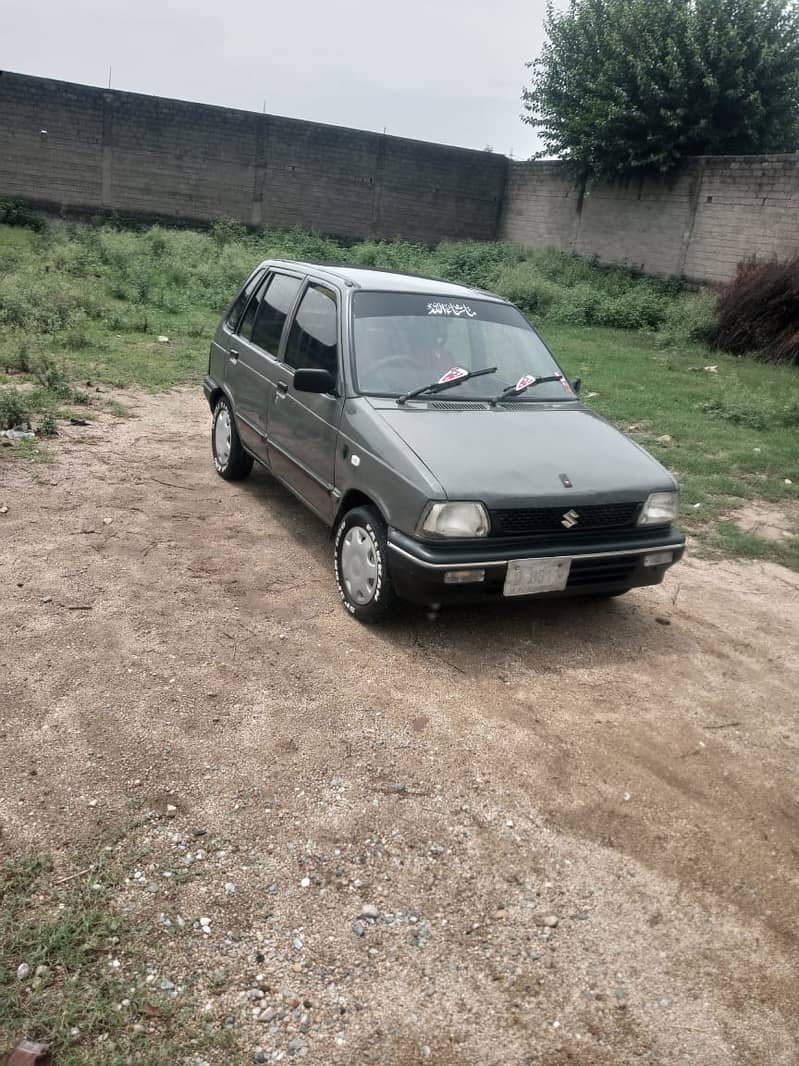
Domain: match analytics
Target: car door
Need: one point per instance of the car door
(303, 426)
(252, 359)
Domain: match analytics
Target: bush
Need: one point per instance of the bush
(14, 409)
(688, 320)
(758, 311)
(48, 427)
(524, 286)
(13, 213)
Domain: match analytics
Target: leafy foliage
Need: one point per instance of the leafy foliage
(758, 311)
(637, 85)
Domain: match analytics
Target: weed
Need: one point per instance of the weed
(48, 427)
(15, 409)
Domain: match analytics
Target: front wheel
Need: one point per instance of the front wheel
(230, 459)
(360, 554)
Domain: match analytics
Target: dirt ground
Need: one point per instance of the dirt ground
(575, 829)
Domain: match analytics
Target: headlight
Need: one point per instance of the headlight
(453, 520)
(660, 509)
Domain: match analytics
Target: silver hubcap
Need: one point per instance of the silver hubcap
(359, 565)
(222, 436)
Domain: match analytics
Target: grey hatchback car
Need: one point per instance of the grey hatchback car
(429, 426)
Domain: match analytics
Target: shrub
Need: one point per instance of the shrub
(525, 287)
(758, 311)
(48, 427)
(690, 319)
(14, 213)
(14, 409)
(51, 377)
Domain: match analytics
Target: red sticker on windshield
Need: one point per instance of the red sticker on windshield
(523, 382)
(564, 383)
(453, 374)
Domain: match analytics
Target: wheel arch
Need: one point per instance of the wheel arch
(355, 498)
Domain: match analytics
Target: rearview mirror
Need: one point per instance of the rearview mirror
(577, 384)
(313, 379)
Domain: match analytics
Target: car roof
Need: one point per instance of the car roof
(376, 280)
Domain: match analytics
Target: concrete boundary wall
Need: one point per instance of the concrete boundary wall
(697, 224)
(73, 147)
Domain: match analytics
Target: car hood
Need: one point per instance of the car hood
(510, 456)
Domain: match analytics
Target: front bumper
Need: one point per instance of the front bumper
(603, 566)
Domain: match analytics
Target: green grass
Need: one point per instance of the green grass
(83, 305)
(76, 1004)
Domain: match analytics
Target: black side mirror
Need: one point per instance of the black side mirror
(577, 384)
(313, 379)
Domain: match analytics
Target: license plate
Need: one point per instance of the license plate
(525, 577)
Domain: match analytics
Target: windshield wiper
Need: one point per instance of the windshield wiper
(440, 386)
(517, 390)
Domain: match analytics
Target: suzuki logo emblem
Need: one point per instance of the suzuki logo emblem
(570, 519)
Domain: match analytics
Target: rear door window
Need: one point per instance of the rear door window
(273, 309)
(313, 339)
(241, 301)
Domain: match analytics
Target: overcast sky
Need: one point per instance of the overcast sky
(439, 70)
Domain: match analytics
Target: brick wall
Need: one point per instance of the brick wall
(697, 224)
(151, 157)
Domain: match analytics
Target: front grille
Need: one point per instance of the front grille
(541, 521)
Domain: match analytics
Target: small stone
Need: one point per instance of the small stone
(368, 910)
(139, 1029)
(662, 620)
(92, 803)
(23, 971)
(268, 1015)
(171, 810)
(295, 1045)
(272, 890)
(664, 1002)
(426, 1051)
(788, 481)
(259, 1056)
(359, 928)
(42, 972)
(305, 883)
(550, 921)
(167, 985)
(664, 440)
(230, 888)
(162, 339)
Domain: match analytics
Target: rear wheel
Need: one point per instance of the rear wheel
(361, 554)
(230, 459)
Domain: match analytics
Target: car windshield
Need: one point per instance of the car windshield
(404, 341)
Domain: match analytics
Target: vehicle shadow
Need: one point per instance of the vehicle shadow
(544, 636)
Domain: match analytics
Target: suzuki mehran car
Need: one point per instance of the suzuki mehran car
(429, 426)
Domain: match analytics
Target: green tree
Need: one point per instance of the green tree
(623, 86)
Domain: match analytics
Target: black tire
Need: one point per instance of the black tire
(609, 595)
(381, 591)
(238, 463)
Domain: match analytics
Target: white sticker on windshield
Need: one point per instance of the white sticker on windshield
(453, 374)
(522, 383)
(457, 310)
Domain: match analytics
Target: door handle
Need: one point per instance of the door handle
(233, 354)
(282, 388)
